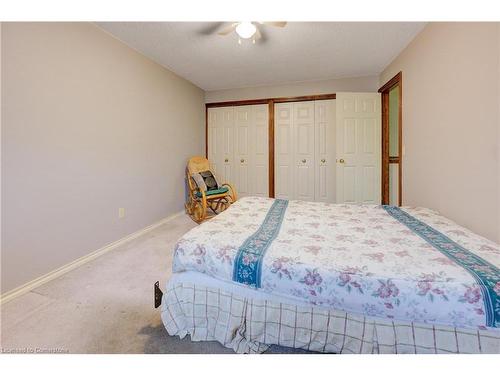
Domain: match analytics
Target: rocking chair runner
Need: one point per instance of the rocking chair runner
(198, 200)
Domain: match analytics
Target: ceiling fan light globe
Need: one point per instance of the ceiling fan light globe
(246, 30)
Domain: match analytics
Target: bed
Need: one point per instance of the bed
(335, 278)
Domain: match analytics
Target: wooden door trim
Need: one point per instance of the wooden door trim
(270, 102)
(397, 80)
(237, 103)
(393, 82)
(267, 100)
(394, 159)
(271, 147)
(206, 132)
(304, 98)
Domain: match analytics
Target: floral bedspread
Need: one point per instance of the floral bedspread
(398, 263)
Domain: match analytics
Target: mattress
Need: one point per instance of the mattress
(196, 278)
(406, 264)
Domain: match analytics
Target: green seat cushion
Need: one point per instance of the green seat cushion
(208, 193)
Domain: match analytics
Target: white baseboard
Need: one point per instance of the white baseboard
(80, 261)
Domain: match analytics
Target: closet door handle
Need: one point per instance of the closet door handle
(226, 160)
(304, 160)
(242, 160)
(323, 160)
(341, 161)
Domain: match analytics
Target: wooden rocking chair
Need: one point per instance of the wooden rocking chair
(198, 200)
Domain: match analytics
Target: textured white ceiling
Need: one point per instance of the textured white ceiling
(302, 51)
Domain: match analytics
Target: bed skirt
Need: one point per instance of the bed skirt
(249, 325)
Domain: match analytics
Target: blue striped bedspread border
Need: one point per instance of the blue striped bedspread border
(486, 274)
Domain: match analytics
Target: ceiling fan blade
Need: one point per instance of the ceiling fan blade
(210, 28)
(228, 29)
(277, 24)
(257, 35)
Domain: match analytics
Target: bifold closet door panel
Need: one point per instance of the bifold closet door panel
(238, 147)
(359, 148)
(251, 150)
(221, 142)
(215, 131)
(284, 162)
(242, 149)
(304, 147)
(260, 150)
(305, 150)
(324, 180)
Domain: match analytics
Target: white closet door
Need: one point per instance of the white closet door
(243, 139)
(324, 124)
(303, 134)
(260, 150)
(358, 148)
(220, 142)
(284, 161)
(238, 147)
(214, 122)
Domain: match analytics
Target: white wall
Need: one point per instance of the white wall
(89, 125)
(1, 153)
(498, 139)
(498, 142)
(451, 122)
(360, 84)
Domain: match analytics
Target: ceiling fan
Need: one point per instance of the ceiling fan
(248, 30)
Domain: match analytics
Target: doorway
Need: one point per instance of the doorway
(392, 150)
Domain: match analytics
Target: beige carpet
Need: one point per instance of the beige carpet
(105, 306)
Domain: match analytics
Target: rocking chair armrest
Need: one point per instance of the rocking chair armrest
(203, 193)
(234, 195)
